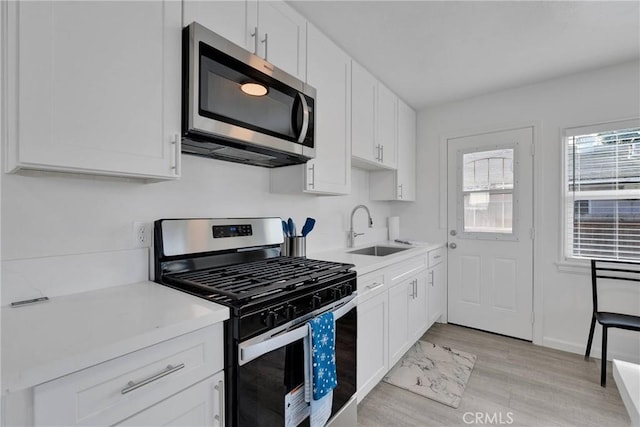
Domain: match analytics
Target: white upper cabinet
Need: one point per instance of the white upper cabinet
(386, 126)
(399, 184)
(94, 87)
(329, 71)
(363, 115)
(270, 29)
(374, 117)
(227, 18)
(282, 37)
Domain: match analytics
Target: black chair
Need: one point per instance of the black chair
(618, 270)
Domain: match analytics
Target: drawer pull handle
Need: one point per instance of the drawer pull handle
(437, 257)
(220, 416)
(374, 286)
(168, 370)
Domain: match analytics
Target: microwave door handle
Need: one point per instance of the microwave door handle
(305, 118)
(250, 352)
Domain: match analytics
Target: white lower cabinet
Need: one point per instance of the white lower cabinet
(436, 286)
(199, 405)
(407, 315)
(397, 305)
(373, 337)
(156, 385)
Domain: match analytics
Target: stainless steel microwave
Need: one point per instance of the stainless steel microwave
(238, 107)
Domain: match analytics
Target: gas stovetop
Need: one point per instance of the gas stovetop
(258, 280)
(236, 262)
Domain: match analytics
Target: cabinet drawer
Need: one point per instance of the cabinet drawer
(370, 284)
(398, 273)
(114, 390)
(435, 257)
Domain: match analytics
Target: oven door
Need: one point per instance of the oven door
(270, 380)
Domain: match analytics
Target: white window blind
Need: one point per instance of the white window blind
(602, 202)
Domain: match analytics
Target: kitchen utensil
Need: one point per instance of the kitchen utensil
(292, 228)
(285, 229)
(308, 226)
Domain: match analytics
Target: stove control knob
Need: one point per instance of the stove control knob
(269, 318)
(348, 289)
(290, 311)
(316, 300)
(336, 293)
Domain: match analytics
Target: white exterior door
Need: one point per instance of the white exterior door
(490, 232)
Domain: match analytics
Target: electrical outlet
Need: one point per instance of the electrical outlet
(142, 234)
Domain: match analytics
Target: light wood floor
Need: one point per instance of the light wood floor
(518, 381)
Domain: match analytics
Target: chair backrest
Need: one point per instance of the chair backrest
(617, 270)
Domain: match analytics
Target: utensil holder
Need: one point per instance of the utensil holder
(297, 246)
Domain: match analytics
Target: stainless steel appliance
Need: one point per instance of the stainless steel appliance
(238, 107)
(237, 263)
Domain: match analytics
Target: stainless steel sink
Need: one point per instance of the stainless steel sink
(378, 250)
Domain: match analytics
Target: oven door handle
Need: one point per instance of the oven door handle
(251, 352)
(341, 311)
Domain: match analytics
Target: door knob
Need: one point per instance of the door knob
(453, 232)
(453, 245)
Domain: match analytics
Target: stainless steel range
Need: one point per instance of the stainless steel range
(236, 262)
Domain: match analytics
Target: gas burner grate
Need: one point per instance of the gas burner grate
(253, 280)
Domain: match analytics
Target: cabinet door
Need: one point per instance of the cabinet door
(386, 130)
(363, 112)
(436, 296)
(282, 37)
(199, 405)
(230, 19)
(330, 73)
(418, 317)
(406, 183)
(98, 88)
(373, 362)
(399, 299)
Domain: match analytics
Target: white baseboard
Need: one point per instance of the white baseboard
(572, 347)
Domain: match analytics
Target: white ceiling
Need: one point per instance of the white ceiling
(432, 52)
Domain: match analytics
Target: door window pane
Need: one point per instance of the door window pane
(487, 191)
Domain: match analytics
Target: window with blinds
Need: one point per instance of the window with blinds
(603, 192)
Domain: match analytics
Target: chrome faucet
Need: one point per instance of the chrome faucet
(353, 234)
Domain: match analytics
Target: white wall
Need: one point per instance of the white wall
(52, 214)
(607, 94)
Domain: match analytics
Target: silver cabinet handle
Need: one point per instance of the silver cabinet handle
(400, 191)
(431, 278)
(255, 40)
(175, 163)
(453, 245)
(374, 286)
(220, 416)
(312, 182)
(170, 369)
(265, 40)
(382, 153)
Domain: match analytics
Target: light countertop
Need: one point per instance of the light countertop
(627, 377)
(44, 341)
(366, 263)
